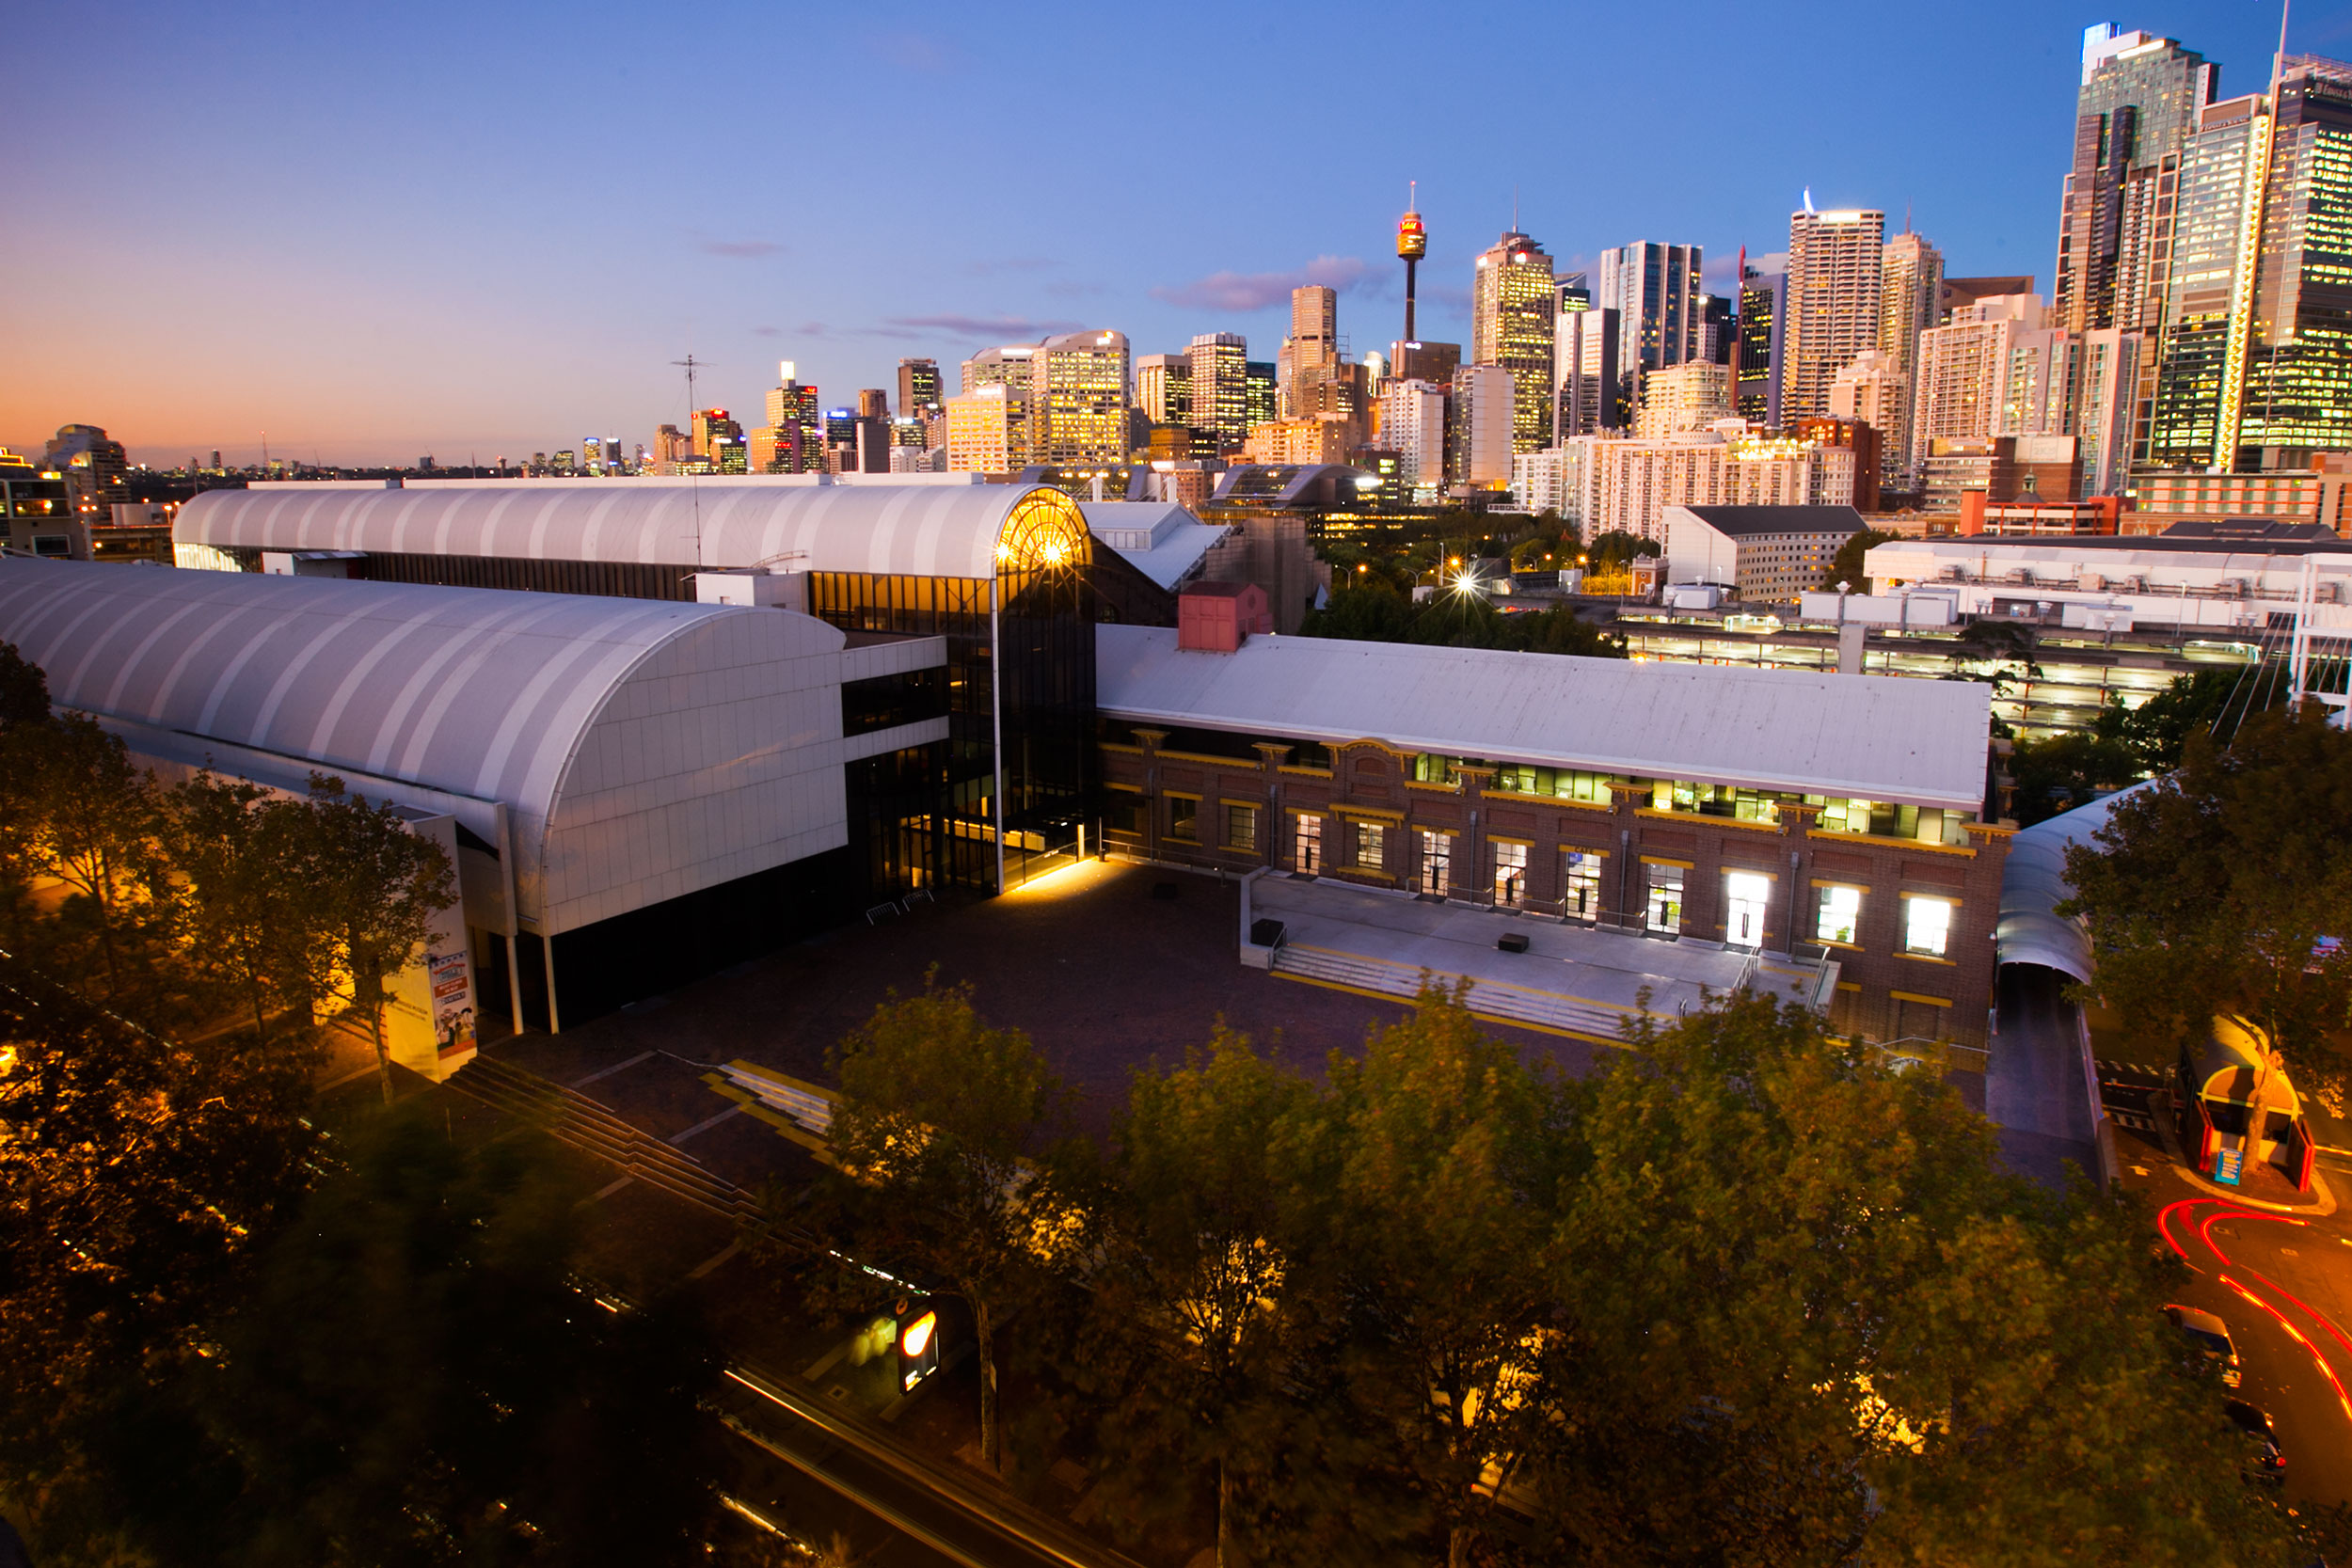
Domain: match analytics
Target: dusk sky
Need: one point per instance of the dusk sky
(475, 230)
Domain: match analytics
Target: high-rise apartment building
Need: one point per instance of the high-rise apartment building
(1479, 418)
(1513, 308)
(1911, 286)
(1584, 362)
(1963, 381)
(1834, 263)
(1874, 391)
(2106, 407)
(1220, 390)
(1655, 291)
(1259, 400)
(919, 388)
(1689, 396)
(2256, 364)
(1412, 425)
(1763, 316)
(1164, 387)
(1078, 395)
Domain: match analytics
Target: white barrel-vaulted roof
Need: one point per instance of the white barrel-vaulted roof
(1871, 738)
(643, 748)
(915, 530)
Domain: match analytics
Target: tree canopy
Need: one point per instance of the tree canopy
(1453, 619)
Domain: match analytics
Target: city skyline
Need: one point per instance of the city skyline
(462, 254)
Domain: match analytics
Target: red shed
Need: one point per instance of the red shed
(1217, 617)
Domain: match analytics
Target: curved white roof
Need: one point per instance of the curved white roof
(536, 700)
(1873, 737)
(915, 529)
(2033, 884)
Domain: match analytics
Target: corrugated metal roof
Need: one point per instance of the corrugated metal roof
(914, 530)
(1875, 737)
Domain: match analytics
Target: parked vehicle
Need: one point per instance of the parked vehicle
(2266, 1464)
(2210, 1338)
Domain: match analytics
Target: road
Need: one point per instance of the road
(2283, 1282)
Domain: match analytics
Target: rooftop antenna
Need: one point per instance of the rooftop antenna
(693, 476)
(2278, 61)
(1808, 199)
(1515, 209)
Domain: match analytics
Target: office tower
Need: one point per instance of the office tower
(1513, 304)
(1584, 362)
(1007, 365)
(671, 449)
(2256, 369)
(1875, 391)
(2141, 100)
(794, 436)
(1962, 378)
(711, 426)
(1311, 352)
(1763, 314)
(592, 453)
(1833, 302)
(1654, 289)
(1412, 425)
(2105, 407)
(1079, 397)
(987, 430)
(1718, 330)
(1479, 417)
(919, 388)
(1164, 387)
(1910, 291)
(1258, 397)
(873, 403)
(1412, 243)
(1433, 362)
(1220, 392)
(1689, 396)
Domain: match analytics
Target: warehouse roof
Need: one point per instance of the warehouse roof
(471, 692)
(909, 530)
(2033, 884)
(1875, 737)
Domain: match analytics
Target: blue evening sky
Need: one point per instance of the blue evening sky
(385, 231)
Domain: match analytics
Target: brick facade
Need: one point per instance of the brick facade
(1241, 814)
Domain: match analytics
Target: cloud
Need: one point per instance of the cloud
(821, 329)
(743, 249)
(1258, 291)
(767, 331)
(1009, 263)
(1007, 328)
(1069, 287)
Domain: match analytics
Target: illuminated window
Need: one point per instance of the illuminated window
(1184, 819)
(1372, 842)
(1510, 875)
(1841, 911)
(1581, 894)
(1665, 899)
(1926, 926)
(1241, 827)
(1307, 844)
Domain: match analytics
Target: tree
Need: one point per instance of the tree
(241, 891)
(2068, 770)
(939, 1116)
(376, 888)
(1803, 1316)
(1206, 1331)
(88, 818)
(1615, 550)
(2209, 894)
(2212, 701)
(413, 1377)
(137, 1175)
(1846, 565)
(1447, 1159)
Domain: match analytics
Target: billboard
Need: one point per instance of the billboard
(429, 1023)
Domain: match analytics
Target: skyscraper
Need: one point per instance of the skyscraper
(1763, 315)
(1963, 383)
(1654, 289)
(919, 388)
(1479, 417)
(793, 441)
(1584, 361)
(1164, 387)
(1910, 284)
(1312, 352)
(1875, 391)
(1833, 302)
(2105, 407)
(1079, 390)
(1412, 423)
(1220, 392)
(1514, 305)
(873, 403)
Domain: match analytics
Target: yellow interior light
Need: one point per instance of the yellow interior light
(917, 1338)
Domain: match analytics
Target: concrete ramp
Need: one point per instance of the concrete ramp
(1573, 979)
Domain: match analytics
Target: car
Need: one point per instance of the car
(2266, 1464)
(2211, 1339)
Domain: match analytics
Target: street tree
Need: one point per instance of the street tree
(1207, 1332)
(374, 887)
(1804, 1317)
(242, 893)
(2223, 893)
(1447, 1156)
(1846, 565)
(84, 816)
(940, 1117)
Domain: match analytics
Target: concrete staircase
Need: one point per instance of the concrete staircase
(1487, 998)
(572, 1118)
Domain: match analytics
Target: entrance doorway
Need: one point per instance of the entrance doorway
(1307, 844)
(1665, 900)
(1746, 898)
(1510, 875)
(1436, 855)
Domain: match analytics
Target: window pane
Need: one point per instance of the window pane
(1841, 908)
(1184, 819)
(1927, 926)
(1241, 827)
